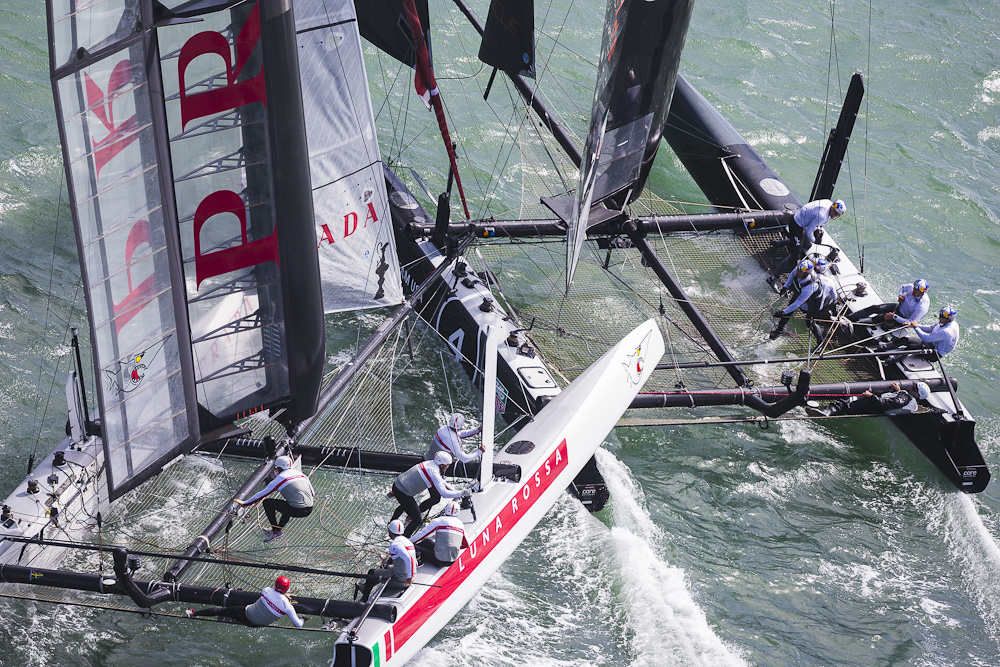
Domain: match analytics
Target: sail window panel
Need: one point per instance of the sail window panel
(90, 25)
(223, 188)
(620, 162)
(127, 270)
(153, 444)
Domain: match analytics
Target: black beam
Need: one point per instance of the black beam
(354, 457)
(109, 585)
(757, 362)
(697, 222)
(743, 396)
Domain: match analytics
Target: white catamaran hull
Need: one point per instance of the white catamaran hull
(550, 451)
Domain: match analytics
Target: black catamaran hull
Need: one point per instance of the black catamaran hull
(455, 310)
(734, 176)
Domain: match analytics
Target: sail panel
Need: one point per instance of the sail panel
(640, 58)
(509, 37)
(384, 24)
(110, 149)
(245, 219)
(640, 55)
(358, 260)
(88, 25)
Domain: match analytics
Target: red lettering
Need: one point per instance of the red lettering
(372, 215)
(327, 236)
(350, 223)
(102, 105)
(137, 297)
(234, 94)
(245, 255)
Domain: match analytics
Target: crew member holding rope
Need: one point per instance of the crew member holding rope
(425, 476)
(400, 565)
(934, 340)
(298, 497)
(912, 304)
(449, 439)
(804, 282)
(441, 540)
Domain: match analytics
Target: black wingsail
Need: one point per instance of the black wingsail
(640, 56)
(197, 253)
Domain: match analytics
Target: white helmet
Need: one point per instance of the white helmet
(821, 265)
(395, 527)
(839, 207)
(923, 390)
(283, 462)
(452, 508)
(456, 421)
(443, 459)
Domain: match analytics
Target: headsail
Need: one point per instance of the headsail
(193, 248)
(640, 55)
(357, 250)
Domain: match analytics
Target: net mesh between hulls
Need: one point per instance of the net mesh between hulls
(344, 533)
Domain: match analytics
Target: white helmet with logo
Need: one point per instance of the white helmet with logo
(395, 527)
(923, 390)
(443, 459)
(452, 508)
(283, 462)
(456, 421)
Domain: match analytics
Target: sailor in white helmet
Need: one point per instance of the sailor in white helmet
(272, 604)
(298, 497)
(449, 439)
(804, 283)
(935, 340)
(425, 476)
(399, 566)
(805, 228)
(441, 540)
(910, 307)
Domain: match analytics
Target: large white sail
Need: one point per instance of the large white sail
(358, 261)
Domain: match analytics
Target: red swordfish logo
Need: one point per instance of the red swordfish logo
(635, 363)
(127, 374)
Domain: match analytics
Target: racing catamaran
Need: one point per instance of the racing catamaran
(228, 189)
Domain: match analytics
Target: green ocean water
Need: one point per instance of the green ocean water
(806, 544)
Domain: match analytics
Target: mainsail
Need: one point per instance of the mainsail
(640, 55)
(194, 246)
(357, 251)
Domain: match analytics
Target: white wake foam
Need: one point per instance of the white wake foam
(668, 626)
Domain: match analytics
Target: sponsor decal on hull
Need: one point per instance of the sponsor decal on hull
(493, 532)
